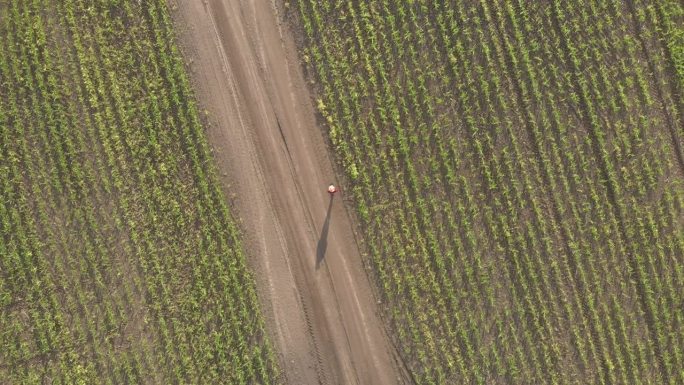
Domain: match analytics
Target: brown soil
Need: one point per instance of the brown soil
(316, 296)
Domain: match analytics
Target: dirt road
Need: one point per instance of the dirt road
(317, 299)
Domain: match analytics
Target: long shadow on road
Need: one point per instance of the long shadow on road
(323, 240)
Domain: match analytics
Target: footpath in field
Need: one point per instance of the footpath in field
(263, 131)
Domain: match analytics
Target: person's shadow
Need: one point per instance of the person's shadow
(323, 240)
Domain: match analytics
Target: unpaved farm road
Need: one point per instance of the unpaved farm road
(321, 314)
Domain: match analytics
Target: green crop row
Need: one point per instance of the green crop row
(529, 225)
(119, 260)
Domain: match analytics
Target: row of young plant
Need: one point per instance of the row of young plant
(598, 103)
(669, 21)
(148, 260)
(575, 235)
(23, 103)
(637, 224)
(417, 331)
(432, 201)
(389, 119)
(588, 150)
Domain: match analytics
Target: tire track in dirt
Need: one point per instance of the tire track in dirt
(322, 321)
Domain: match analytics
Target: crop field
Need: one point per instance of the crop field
(518, 173)
(120, 262)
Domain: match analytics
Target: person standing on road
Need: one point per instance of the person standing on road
(332, 189)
